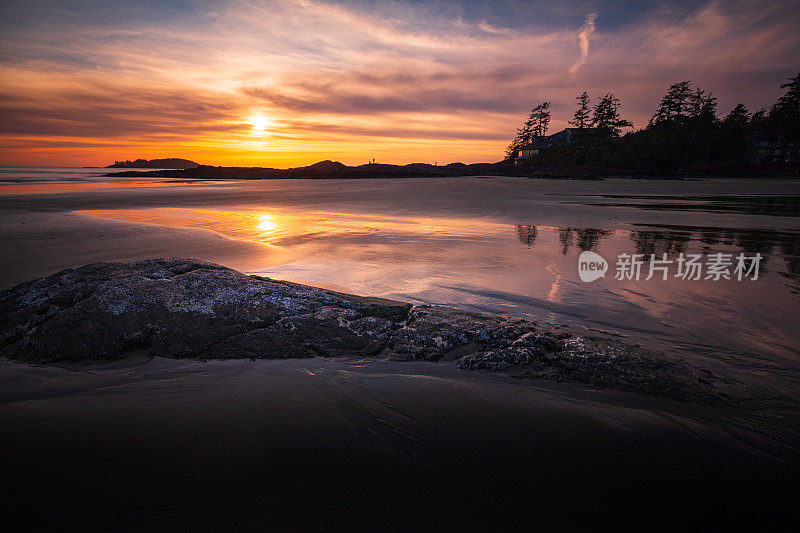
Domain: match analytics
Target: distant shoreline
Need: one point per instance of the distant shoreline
(336, 170)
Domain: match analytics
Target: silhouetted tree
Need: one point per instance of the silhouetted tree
(731, 135)
(702, 119)
(785, 114)
(738, 119)
(607, 120)
(674, 105)
(540, 119)
(606, 116)
(512, 149)
(700, 105)
(758, 120)
(523, 137)
(684, 134)
(583, 115)
(534, 127)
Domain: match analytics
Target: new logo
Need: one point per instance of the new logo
(591, 266)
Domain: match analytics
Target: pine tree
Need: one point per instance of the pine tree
(534, 127)
(512, 149)
(525, 134)
(674, 105)
(694, 105)
(582, 117)
(738, 118)
(758, 120)
(539, 120)
(607, 118)
(701, 107)
(708, 111)
(785, 114)
(522, 138)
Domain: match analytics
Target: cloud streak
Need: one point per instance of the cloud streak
(585, 32)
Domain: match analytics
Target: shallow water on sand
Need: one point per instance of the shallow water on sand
(500, 245)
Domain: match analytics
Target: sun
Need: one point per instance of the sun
(259, 123)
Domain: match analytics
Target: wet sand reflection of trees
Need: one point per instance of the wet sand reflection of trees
(675, 239)
(585, 238)
(527, 234)
(660, 242)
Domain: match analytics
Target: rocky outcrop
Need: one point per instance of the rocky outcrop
(194, 309)
(170, 162)
(184, 308)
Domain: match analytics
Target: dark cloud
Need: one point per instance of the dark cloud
(108, 111)
(496, 89)
(340, 101)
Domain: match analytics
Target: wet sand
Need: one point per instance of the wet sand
(307, 443)
(321, 443)
(501, 245)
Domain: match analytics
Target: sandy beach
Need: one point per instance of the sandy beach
(320, 443)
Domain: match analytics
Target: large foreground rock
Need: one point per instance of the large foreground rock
(194, 309)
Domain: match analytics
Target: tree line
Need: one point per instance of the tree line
(684, 133)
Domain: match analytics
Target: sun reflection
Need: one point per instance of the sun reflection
(266, 223)
(554, 294)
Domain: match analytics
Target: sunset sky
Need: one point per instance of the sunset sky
(287, 83)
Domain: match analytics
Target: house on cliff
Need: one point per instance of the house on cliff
(569, 137)
(531, 150)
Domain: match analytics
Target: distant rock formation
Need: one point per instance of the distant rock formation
(184, 308)
(172, 163)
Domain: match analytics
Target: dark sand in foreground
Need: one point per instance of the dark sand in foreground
(316, 442)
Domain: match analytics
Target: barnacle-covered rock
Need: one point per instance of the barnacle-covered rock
(184, 308)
